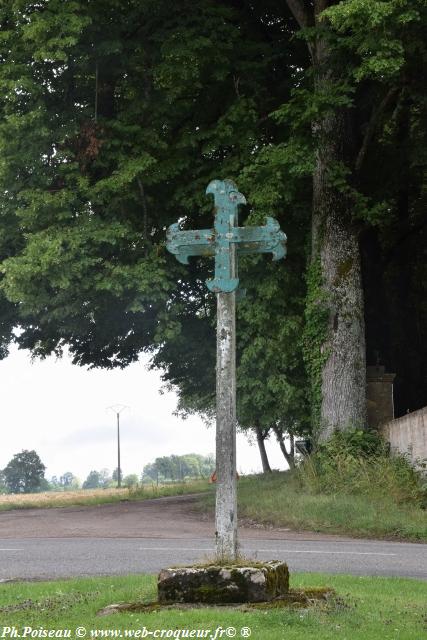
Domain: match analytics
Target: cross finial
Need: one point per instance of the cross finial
(226, 240)
(225, 192)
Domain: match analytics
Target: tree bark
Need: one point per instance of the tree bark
(343, 380)
(288, 455)
(260, 436)
(335, 245)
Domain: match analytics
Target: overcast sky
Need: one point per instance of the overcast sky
(60, 410)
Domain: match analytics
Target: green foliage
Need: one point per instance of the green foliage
(357, 462)
(67, 482)
(178, 468)
(271, 378)
(113, 119)
(3, 487)
(93, 481)
(130, 481)
(354, 442)
(24, 473)
(44, 485)
(125, 124)
(378, 32)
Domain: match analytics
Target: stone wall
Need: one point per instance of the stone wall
(408, 434)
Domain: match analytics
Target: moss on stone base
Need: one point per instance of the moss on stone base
(295, 598)
(214, 584)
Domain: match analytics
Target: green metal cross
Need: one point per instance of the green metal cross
(226, 241)
(226, 238)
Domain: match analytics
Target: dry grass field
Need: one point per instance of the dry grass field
(61, 498)
(51, 499)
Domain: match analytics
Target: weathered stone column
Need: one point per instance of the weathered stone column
(226, 490)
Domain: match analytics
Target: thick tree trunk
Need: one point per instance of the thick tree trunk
(335, 245)
(343, 381)
(260, 436)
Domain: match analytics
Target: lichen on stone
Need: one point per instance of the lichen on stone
(219, 585)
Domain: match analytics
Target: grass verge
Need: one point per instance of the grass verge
(276, 499)
(368, 609)
(89, 497)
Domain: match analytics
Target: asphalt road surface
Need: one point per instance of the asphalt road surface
(150, 535)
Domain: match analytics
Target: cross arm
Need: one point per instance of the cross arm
(184, 244)
(266, 239)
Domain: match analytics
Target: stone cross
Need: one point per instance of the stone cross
(226, 241)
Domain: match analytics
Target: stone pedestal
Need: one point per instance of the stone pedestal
(379, 396)
(258, 582)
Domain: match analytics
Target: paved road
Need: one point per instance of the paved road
(58, 557)
(146, 536)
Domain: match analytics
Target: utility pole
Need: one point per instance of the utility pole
(117, 409)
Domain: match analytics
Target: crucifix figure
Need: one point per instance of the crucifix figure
(226, 241)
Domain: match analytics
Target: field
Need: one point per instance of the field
(98, 496)
(366, 608)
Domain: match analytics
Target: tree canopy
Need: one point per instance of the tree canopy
(190, 465)
(24, 473)
(113, 119)
(93, 480)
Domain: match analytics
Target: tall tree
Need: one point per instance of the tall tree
(125, 118)
(111, 131)
(24, 473)
(335, 257)
(93, 481)
(359, 53)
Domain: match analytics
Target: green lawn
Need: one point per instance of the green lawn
(367, 608)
